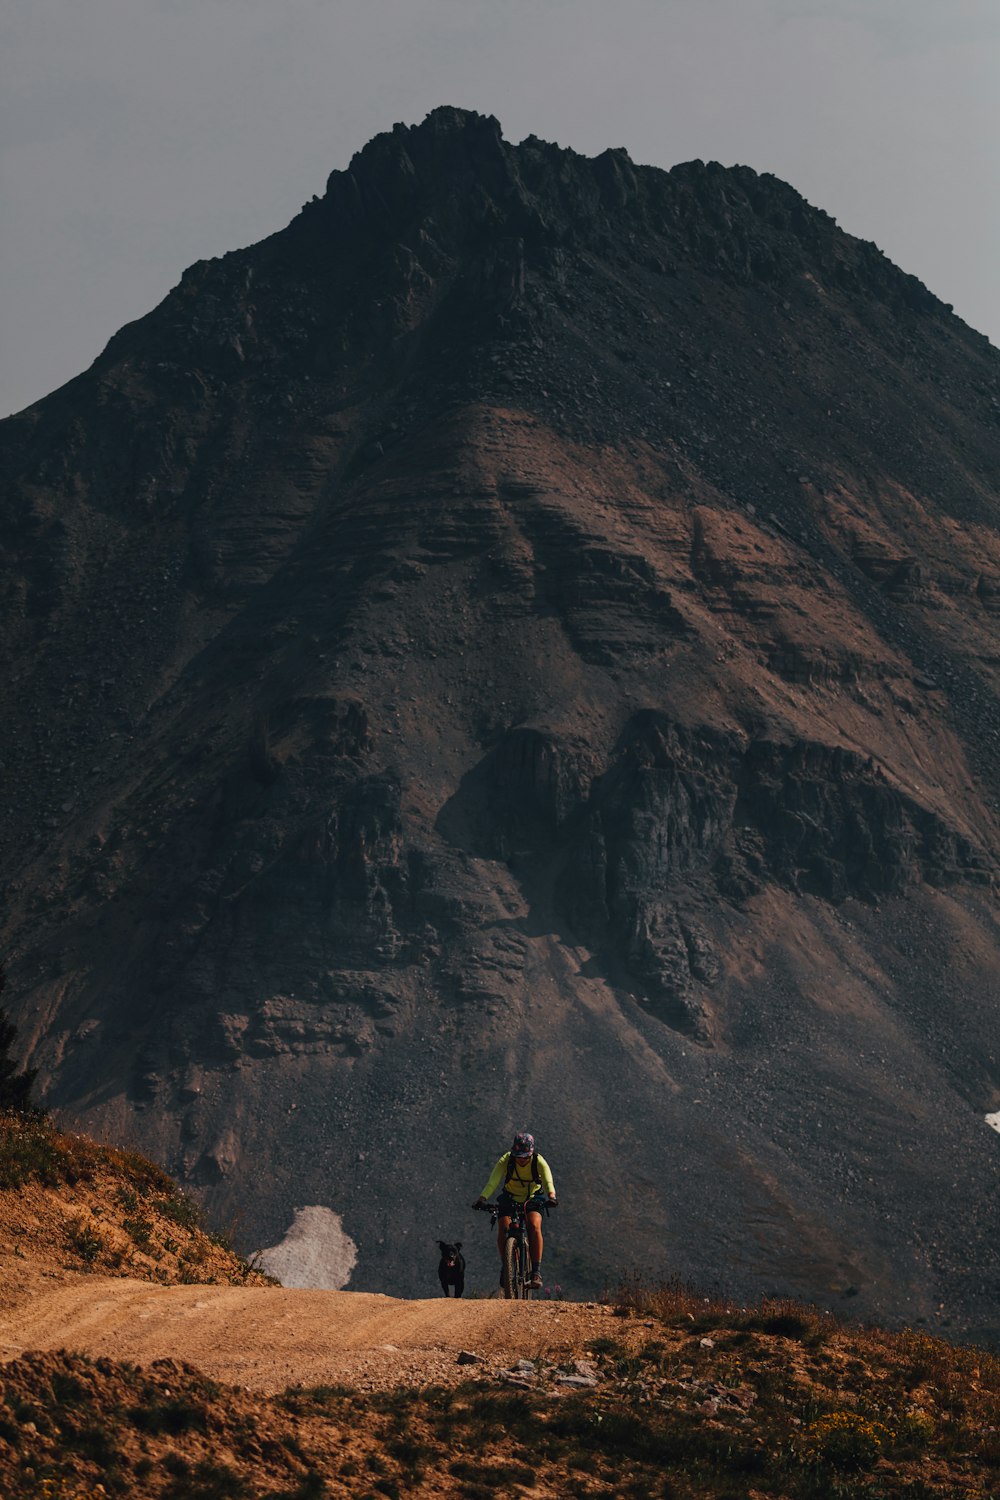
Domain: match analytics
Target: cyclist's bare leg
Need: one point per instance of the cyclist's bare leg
(502, 1226)
(534, 1223)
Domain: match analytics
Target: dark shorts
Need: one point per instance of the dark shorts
(508, 1205)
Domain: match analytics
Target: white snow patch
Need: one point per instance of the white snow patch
(315, 1253)
(994, 1120)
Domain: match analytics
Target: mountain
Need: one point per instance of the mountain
(518, 648)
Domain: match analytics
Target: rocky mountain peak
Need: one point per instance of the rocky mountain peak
(433, 148)
(454, 175)
(398, 175)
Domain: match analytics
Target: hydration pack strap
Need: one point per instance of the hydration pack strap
(512, 1168)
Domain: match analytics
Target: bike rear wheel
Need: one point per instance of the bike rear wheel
(511, 1268)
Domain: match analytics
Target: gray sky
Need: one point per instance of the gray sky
(137, 136)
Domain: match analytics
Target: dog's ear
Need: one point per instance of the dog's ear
(458, 1244)
(441, 1245)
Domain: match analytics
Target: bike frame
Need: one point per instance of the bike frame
(517, 1230)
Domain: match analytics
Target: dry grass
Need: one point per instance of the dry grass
(777, 1402)
(96, 1208)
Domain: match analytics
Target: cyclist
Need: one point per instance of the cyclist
(526, 1178)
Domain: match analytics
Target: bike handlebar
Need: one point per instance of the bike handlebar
(491, 1208)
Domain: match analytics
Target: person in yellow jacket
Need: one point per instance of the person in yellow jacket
(527, 1179)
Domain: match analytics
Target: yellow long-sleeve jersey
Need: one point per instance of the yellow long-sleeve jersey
(521, 1186)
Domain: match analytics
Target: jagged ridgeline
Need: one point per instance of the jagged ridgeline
(518, 649)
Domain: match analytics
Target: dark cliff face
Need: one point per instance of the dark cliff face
(519, 648)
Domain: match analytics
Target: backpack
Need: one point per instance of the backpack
(512, 1169)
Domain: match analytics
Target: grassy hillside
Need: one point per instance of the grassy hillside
(771, 1403)
(66, 1201)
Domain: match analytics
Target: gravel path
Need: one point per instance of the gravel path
(269, 1338)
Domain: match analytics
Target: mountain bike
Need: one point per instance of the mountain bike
(516, 1269)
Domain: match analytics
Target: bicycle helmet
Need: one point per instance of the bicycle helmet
(524, 1146)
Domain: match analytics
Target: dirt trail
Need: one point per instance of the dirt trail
(269, 1338)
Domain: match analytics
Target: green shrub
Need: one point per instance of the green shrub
(207, 1481)
(85, 1240)
(182, 1211)
(844, 1440)
(94, 1442)
(312, 1487)
(140, 1230)
(68, 1390)
(408, 1451)
(144, 1175)
(31, 1149)
(786, 1325)
(173, 1414)
(915, 1430)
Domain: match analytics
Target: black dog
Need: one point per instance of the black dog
(451, 1267)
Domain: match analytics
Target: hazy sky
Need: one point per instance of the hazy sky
(137, 136)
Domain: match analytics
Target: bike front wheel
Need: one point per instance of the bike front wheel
(512, 1268)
